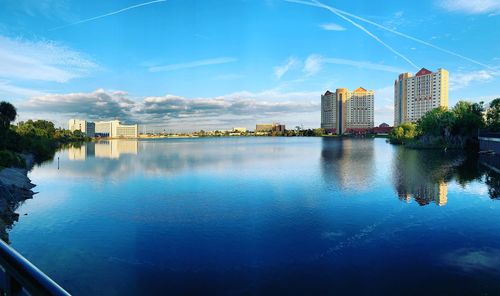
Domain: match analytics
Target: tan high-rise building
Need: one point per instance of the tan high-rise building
(344, 111)
(416, 95)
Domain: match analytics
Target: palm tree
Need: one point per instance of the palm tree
(8, 114)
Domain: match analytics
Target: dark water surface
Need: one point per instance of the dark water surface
(264, 216)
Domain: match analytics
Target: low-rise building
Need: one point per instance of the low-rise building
(240, 129)
(115, 129)
(270, 127)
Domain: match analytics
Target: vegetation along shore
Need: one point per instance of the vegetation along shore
(21, 147)
(457, 128)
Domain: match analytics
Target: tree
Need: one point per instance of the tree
(437, 122)
(403, 133)
(469, 118)
(493, 116)
(8, 114)
(318, 132)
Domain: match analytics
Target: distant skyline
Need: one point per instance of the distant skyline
(190, 65)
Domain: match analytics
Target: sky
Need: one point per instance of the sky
(185, 65)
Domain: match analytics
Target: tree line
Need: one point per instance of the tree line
(456, 128)
(37, 137)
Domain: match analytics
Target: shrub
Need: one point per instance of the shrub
(11, 159)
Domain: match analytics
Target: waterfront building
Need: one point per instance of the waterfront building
(86, 127)
(270, 127)
(345, 111)
(382, 129)
(115, 129)
(239, 130)
(416, 95)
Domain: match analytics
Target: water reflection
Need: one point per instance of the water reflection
(348, 162)
(424, 175)
(104, 149)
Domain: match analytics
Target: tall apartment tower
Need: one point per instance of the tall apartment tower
(416, 95)
(345, 111)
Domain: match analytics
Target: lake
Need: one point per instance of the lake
(263, 216)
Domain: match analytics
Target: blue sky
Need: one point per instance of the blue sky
(187, 65)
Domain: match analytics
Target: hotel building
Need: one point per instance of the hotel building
(114, 129)
(416, 95)
(269, 127)
(86, 127)
(344, 111)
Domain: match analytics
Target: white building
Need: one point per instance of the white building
(416, 95)
(114, 129)
(86, 127)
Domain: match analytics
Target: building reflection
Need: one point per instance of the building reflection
(348, 163)
(112, 149)
(491, 166)
(424, 175)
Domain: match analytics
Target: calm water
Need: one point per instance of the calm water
(263, 216)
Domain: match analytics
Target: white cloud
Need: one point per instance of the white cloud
(332, 27)
(471, 6)
(279, 71)
(42, 60)
(463, 79)
(313, 64)
(192, 64)
(171, 110)
(99, 104)
(6, 88)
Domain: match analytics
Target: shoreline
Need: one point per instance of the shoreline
(15, 187)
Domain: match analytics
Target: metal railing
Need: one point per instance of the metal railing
(18, 276)
(486, 134)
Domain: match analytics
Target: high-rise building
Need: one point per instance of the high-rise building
(86, 127)
(416, 95)
(345, 111)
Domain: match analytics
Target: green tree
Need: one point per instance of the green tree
(437, 122)
(493, 116)
(8, 114)
(468, 118)
(318, 132)
(403, 133)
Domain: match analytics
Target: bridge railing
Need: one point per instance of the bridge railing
(18, 276)
(486, 134)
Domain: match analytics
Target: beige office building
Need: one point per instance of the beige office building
(114, 129)
(416, 95)
(345, 111)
